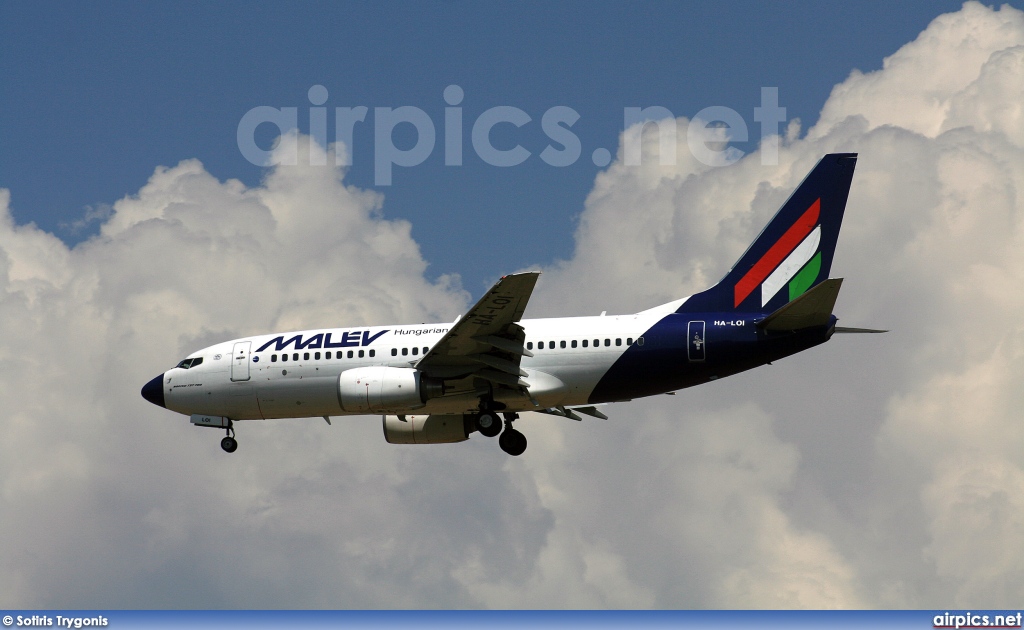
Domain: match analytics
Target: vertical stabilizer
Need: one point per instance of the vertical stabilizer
(793, 253)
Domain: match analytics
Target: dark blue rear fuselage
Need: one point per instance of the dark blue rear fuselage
(687, 349)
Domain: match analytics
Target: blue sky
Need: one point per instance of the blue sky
(95, 96)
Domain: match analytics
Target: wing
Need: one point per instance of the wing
(487, 342)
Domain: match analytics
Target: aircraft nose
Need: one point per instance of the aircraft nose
(153, 391)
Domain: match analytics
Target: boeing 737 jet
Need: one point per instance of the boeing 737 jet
(438, 383)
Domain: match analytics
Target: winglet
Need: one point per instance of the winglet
(813, 308)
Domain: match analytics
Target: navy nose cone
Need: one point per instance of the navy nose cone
(153, 391)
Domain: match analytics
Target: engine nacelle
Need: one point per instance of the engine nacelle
(420, 429)
(380, 388)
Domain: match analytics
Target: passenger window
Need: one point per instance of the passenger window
(597, 342)
(328, 356)
(284, 357)
(415, 351)
(317, 356)
(373, 352)
(405, 352)
(360, 354)
(629, 341)
(295, 356)
(425, 349)
(607, 342)
(618, 341)
(561, 344)
(350, 355)
(573, 343)
(584, 343)
(394, 352)
(639, 341)
(551, 345)
(305, 356)
(529, 345)
(273, 358)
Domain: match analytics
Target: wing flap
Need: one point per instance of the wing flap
(591, 411)
(503, 365)
(504, 344)
(502, 378)
(570, 412)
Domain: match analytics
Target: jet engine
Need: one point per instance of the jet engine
(380, 388)
(419, 429)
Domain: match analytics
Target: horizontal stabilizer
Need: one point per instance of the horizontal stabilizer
(844, 329)
(810, 309)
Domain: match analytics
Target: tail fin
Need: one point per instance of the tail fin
(794, 251)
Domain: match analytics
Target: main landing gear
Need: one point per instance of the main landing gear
(229, 443)
(489, 424)
(511, 441)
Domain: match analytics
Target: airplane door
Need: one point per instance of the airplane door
(240, 361)
(695, 348)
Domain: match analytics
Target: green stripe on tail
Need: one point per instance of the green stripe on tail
(805, 277)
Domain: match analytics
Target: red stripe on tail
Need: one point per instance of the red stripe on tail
(777, 253)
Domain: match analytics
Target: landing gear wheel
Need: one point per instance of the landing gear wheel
(488, 424)
(229, 444)
(512, 442)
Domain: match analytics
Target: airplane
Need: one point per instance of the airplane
(439, 383)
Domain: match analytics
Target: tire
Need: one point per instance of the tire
(512, 442)
(488, 423)
(229, 444)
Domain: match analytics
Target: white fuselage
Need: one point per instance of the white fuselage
(295, 374)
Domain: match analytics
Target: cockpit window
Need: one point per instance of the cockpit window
(190, 363)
